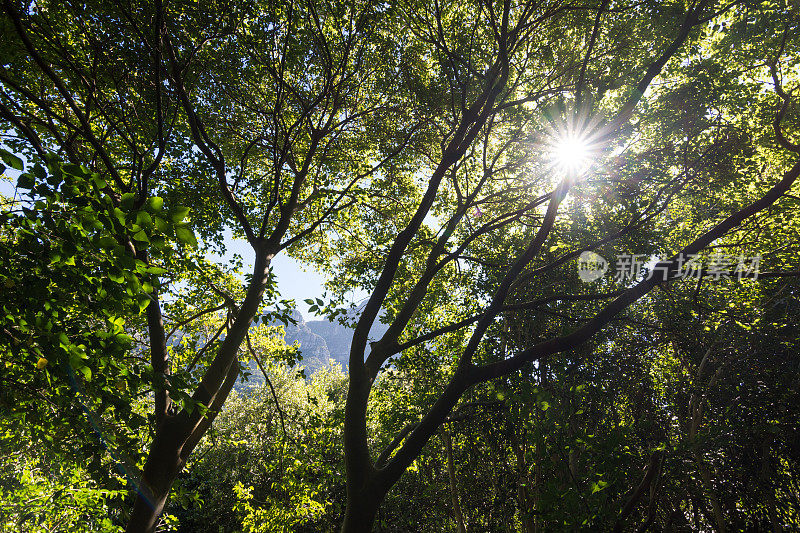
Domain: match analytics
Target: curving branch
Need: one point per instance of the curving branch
(48, 71)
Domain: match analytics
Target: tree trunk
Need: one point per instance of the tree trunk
(451, 475)
(162, 468)
(364, 495)
(178, 435)
(767, 487)
(523, 499)
(716, 507)
(147, 512)
(361, 510)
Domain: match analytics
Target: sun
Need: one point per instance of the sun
(571, 154)
(572, 143)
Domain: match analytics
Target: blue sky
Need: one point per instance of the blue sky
(295, 280)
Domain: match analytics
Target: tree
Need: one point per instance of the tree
(417, 151)
(260, 126)
(408, 296)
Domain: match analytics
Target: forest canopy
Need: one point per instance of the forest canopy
(574, 222)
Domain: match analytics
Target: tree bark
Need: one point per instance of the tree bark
(523, 498)
(362, 507)
(363, 496)
(451, 475)
(644, 485)
(161, 469)
(716, 508)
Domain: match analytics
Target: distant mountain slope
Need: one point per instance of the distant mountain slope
(321, 340)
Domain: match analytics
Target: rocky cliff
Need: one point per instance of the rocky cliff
(321, 340)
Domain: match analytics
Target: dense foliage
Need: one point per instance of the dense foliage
(455, 162)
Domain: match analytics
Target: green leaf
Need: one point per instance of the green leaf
(100, 183)
(74, 170)
(86, 371)
(179, 213)
(186, 235)
(127, 200)
(600, 485)
(25, 181)
(39, 172)
(143, 219)
(11, 160)
(143, 300)
(120, 215)
(107, 242)
(161, 224)
(155, 203)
